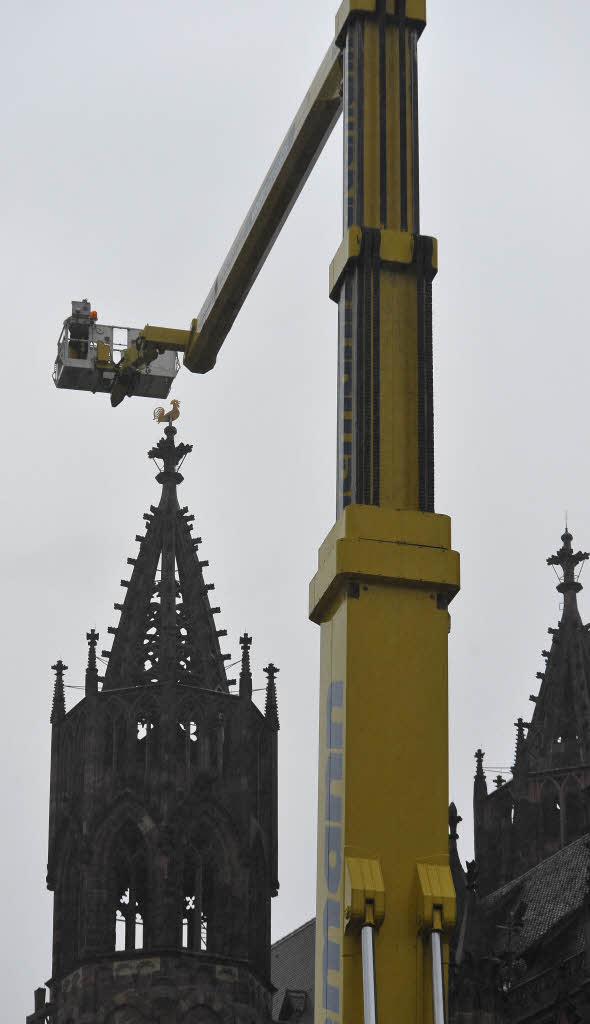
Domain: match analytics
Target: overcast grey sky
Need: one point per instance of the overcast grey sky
(135, 136)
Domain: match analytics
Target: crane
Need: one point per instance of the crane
(386, 571)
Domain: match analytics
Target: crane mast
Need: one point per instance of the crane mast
(386, 572)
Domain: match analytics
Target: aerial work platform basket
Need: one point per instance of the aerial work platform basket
(89, 355)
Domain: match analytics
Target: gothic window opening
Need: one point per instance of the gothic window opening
(124, 924)
(65, 765)
(70, 911)
(79, 753)
(146, 737)
(195, 899)
(109, 743)
(259, 909)
(130, 890)
(115, 743)
(188, 742)
(575, 824)
(551, 812)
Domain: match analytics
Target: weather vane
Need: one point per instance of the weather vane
(161, 416)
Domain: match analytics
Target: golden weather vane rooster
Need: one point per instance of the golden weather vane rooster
(161, 416)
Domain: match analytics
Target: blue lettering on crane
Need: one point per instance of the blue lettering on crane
(331, 952)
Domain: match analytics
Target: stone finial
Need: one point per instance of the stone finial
(91, 668)
(58, 707)
(567, 561)
(520, 750)
(245, 670)
(454, 820)
(480, 789)
(171, 455)
(271, 710)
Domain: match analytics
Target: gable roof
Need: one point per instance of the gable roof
(550, 893)
(292, 966)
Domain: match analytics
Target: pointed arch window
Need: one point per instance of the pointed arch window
(146, 736)
(115, 742)
(189, 741)
(130, 889)
(69, 911)
(575, 818)
(551, 812)
(65, 763)
(259, 906)
(196, 893)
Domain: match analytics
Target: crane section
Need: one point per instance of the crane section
(294, 162)
(386, 572)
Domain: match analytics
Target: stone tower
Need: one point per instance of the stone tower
(163, 806)
(521, 948)
(546, 804)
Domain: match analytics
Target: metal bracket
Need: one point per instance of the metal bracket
(364, 893)
(437, 911)
(437, 903)
(396, 248)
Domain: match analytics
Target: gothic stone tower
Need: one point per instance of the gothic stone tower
(163, 806)
(546, 804)
(521, 949)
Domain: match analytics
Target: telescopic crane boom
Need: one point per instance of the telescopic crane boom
(386, 571)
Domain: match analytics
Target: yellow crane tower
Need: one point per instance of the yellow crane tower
(386, 572)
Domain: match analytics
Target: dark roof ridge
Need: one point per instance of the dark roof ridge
(295, 931)
(497, 893)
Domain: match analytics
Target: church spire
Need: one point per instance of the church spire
(167, 633)
(559, 733)
(58, 707)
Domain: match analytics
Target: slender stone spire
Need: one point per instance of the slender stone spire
(167, 633)
(246, 671)
(520, 756)
(91, 668)
(271, 710)
(58, 707)
(480, 788)
(559, 732)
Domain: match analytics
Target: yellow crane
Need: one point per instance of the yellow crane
(386, 572)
